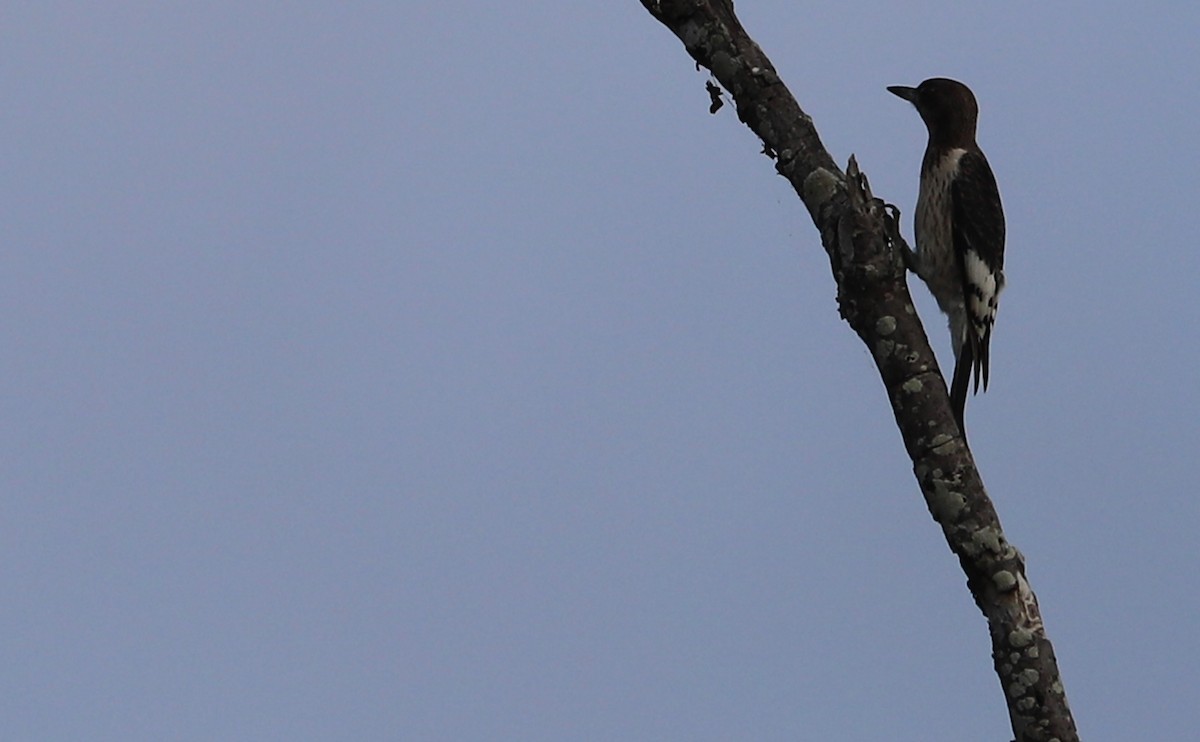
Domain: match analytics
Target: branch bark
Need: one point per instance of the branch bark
(861, 237)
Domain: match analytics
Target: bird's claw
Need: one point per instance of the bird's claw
(897, 239)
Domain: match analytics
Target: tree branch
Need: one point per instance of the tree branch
(861, 236)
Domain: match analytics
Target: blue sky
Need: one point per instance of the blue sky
(445, 372)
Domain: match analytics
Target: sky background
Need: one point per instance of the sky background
(444, 371)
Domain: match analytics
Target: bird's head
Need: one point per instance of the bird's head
(947, 107)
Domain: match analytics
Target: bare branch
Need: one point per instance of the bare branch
(861, 236)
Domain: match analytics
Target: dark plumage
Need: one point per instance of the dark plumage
(959, 228)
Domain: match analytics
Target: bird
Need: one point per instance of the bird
(959, 228)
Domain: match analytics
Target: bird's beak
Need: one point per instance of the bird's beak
(908, 94)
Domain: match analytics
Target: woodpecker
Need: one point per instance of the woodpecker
(959, 227)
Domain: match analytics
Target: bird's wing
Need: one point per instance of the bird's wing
(979, 246)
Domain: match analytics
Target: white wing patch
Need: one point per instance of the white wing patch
(983, 292)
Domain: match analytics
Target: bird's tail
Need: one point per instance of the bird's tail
(981, 341)
(963, 366)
